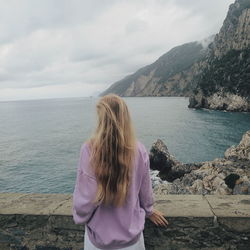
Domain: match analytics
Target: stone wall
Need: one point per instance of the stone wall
(44, 222)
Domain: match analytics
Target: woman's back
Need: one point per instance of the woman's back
(108, 226)
(113, 192)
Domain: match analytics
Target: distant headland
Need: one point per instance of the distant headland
(213, 73)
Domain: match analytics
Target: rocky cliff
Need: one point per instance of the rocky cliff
(217, 77)
(225, 79)
(170, 75)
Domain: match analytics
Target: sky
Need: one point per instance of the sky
(78, 48)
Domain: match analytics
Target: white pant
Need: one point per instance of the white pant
(139, 245)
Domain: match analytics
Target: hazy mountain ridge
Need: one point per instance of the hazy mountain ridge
(225, 79)
(167, 76)
(217, 77)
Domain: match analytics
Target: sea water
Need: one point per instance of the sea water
(40, 140)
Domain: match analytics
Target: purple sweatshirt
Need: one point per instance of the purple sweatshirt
(109, 227)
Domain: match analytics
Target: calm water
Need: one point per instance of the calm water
(40, 140)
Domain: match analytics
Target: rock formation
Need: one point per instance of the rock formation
(224, 83)
(228, 175)
(169, 168)
(242, 151)
(215, 77)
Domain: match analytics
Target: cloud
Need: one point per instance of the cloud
(77, 48)
(136, 25)
(206, 41)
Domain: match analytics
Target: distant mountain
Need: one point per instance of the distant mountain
(215, 77)
(225, 79)
(168, 76)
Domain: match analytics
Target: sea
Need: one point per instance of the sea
(40, 140)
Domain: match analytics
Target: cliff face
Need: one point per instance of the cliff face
(170, 75)
(215, 78)
(225, 79)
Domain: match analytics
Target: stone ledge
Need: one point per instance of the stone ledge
(44, 221)
(215, 207)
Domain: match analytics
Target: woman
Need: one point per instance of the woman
(113, 192)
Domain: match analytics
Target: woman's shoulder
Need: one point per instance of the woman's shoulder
(85, 146)
(141, 148)
(84, 149)
(85, 154)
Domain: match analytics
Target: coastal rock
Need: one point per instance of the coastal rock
(161, 159)
(231, 180)
(156, 180)
(242, 187)
(220, 101)
(208, 179)
(228, 175)
(179, 170)
(197, 186)
(169, 168)
(242, 151)
(228, 101)
(197, 100)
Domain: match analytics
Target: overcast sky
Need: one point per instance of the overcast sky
(66, 48)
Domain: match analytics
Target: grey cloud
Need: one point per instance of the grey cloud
(54, 43)
(206, 41)
(136, 25)
(86, 56)
(20, 18)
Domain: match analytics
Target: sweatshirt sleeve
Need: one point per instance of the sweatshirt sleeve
(84, 192)
(146, 190)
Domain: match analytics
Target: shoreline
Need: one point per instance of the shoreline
(229, 175)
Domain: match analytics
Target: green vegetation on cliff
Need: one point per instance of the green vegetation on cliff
(217, 77)
(224, 82)
(230, 73)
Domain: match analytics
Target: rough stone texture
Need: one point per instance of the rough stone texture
(229, 175)
(33, 204)
(231, 101)
(235, 32)
(210, 179)
(242, 151)
(161, 159)
(220, 101)
(169, 168)
(225, 86)
(195, 222)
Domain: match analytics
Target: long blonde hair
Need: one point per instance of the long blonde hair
(113, 147)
